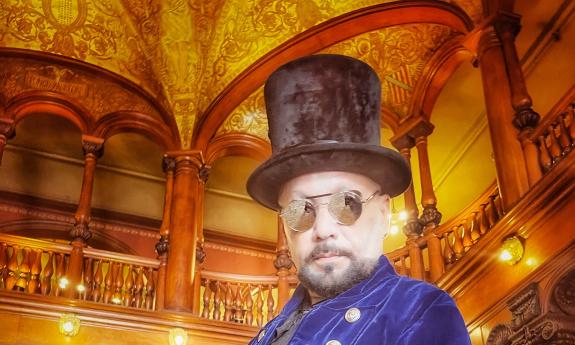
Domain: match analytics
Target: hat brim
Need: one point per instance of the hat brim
(384, 166)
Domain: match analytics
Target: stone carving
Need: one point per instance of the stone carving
(524, 306)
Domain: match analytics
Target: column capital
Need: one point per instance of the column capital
(506, 23)
(92, 146)
(411, 130)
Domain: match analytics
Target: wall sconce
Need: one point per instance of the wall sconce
(511, 250)
(178, 336)
(69, 325)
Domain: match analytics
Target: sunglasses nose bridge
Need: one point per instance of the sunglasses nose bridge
(325, 225)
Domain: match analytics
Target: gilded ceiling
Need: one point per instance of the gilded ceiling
(185, 53)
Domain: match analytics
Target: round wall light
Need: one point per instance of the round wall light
(69, 325)
(511, 250)
(178, 336)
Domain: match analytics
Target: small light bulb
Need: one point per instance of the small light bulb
(505, 255)
(394, 229)
(403, 215)
(63, 283)
(68, 326)
(80, 288)
(179, 340)
(116, 300)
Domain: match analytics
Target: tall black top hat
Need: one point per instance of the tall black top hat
(323, 115)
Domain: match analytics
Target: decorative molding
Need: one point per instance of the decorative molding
(239, 251)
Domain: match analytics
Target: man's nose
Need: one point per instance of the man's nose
(325, 225)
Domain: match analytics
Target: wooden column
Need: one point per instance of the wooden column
(413, 227)
(200, 253)
(283, 264)
(80, 233)
(525, 118)
(162, 247)
(181, 265)
(430, 215)
(510, 165)
(7, 131)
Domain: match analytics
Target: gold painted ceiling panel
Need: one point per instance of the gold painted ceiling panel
(398, 54)
(188, 51)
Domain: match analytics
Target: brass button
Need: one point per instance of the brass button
(261, 335)
(333, 342)
(352, 315)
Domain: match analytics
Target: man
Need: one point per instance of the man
(331, 182)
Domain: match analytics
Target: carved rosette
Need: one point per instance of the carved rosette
(526, 118)
(162, 246)
(81, 232)
(93, 148)
(204, 173)
(200, 253)
(168, 164)
(413, 228)
(283, 261)
(430, 215)
(564, 294)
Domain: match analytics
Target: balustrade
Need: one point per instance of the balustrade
(41, 267)
(249, 300)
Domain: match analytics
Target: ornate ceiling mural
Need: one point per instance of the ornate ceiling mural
(187, 52)
(398, 55)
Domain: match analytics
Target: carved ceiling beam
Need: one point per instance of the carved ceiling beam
(314, 40)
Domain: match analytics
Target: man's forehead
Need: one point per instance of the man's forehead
(326, 182)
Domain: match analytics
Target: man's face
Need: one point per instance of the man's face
(332, 257)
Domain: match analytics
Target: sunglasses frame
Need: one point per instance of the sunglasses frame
(317, 205)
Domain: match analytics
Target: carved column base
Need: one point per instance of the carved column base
(80, 232)
(526, 118)
(413, 228)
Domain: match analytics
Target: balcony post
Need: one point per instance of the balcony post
(510, 164)
(80, 232)
(283, 264)
(7, 131)
(181, 265)
(163, 245)
(200, 253)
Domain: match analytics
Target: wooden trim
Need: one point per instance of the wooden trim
(237, 144)
(236, 241)
(566, 100)
(117, 317)
(35, 244)
(246, 279)
(123, 258)
(317, 38)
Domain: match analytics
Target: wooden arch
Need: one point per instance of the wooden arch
(317, 38)
(237, 144)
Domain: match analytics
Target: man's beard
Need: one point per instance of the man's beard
(329, 284)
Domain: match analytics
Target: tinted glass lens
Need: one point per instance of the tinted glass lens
(345, 207)
(299, 215)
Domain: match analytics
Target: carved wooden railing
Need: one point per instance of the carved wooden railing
(250, 300)
(445, 245)
(40, 267)
(552, 140)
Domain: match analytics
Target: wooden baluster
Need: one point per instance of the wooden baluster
(108, 281)
(402, 266)
(259, 306)
(466, 239)
(150, 288)
(3, 264)
(98, 279)
(563, 135)
(493, 212)
(458, 242)
(436, 262)
(485, 226)
(571, 123)
(228, 304)
(46, 285)
(129, 288)
(554, 148)
(13, 268)
(249, 306)
(60, 272)
(118, 283)
(88, 276)
(448, 253)
(206, 299)
(474, 227)
(217, 300)
(22, 281)
(139, 286)
(238, 306)
(35, 269)
(271, 303)
(544, 156)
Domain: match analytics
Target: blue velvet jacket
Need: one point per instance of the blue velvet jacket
(393, 310)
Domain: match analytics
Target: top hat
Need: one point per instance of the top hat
(323, 115)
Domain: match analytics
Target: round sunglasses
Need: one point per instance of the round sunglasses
(345, 207)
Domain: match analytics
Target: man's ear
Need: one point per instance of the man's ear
(383, 203)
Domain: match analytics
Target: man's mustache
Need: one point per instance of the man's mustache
(324, 249)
